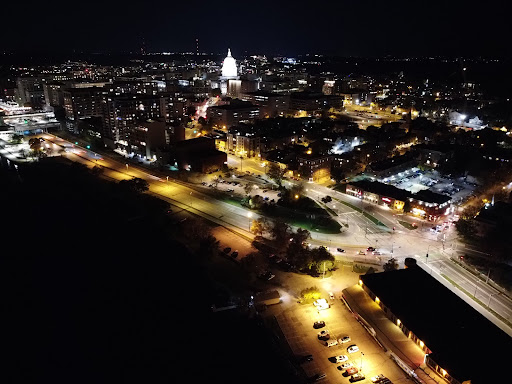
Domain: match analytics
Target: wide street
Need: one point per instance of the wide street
(361, 232)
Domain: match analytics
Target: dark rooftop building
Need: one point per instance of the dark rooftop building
(382, 189)
(460, 344)
(392, 165)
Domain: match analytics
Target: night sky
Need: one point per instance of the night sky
(347, 28)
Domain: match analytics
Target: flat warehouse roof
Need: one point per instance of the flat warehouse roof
(462, 341)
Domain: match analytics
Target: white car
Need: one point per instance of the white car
(346, 365)
(321, 304)
(378, 378)
(331, 295)
(341, 358)
(344, 339)
(352, 349)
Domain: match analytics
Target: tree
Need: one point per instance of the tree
(16, 139)
(248, 188)
(390, 265)
(321, 259)
(248, 262)
(310, 294)
(97, 170)
(300, 236)
(276, 173)
(136, 184)
(258, 227)
(466, 228)
(296, 191)
(280, 232)
(208, 246)
(297, 251)
(215, 183)
(256, 202)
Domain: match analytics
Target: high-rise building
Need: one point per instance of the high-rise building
(234, 113)
(271, 104)
(81, 103)
(29, 92)
(123, 114)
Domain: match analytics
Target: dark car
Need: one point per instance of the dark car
(267, 275)
(318, 377)
(227, 250)
(306, 358)
(234, 254)
(285, 266)
(340, 250)
(370, 249)
(319, 324)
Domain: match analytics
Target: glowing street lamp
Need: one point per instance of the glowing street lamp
(249, 215)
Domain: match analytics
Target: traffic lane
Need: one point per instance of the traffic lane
(479, 289)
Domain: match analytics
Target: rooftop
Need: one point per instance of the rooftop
(392, 162)
(235, 106)
(454, 332)
(400, 194)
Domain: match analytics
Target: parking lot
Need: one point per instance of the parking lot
(260, 186)
(414, 180)
(296, 324)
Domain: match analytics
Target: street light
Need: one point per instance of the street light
(490, 297)
(249, 215)
(362, 355)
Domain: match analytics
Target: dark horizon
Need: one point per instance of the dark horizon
(289, 29)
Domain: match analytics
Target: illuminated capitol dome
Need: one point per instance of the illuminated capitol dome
(229, 70)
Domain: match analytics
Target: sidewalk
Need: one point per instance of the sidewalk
(388, 334)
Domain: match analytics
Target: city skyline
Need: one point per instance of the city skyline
(226, 192)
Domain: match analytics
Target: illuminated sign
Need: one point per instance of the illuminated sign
(387, 200)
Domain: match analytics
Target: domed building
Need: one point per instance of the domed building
(229, 69)
(229, 80)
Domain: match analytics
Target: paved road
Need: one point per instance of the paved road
(399, 244)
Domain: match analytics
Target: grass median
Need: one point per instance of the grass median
(365, 214)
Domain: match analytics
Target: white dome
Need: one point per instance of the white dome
(229, 66)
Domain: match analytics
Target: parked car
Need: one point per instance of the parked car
(370, 249)
(361, 253)
(356, 377)
(346, 365)
(344, 339)
(340, 250)
(319, 324)
(267, 275)
(234, 254)
(324, 335)
(227, 250)
(353, 348)
(378, 378)
(351, 371)
(376, 253)
(306, 358)
(331, 295)
(319, 376)
(341, 358)
(230, 190)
